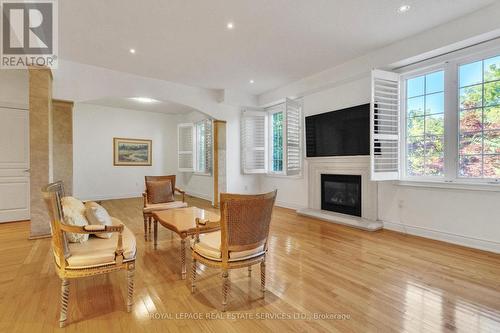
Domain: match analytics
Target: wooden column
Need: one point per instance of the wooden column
(62, 148)
(219, 169)
(40, 109)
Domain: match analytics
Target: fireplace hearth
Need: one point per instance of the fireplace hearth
(341, 193)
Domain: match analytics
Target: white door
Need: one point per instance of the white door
(14, 165)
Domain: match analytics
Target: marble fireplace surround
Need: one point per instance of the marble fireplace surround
(343, 165)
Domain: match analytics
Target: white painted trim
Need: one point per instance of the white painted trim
(481, 244)
(199, 195)
(10, 105)
(289, 205)
(490, 187)
(110, 196)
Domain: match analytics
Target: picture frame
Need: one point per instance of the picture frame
(132, 152)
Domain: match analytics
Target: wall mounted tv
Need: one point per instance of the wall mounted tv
(339, 133)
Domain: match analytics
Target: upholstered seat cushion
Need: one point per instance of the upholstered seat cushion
(100, 251)
(209, 247)
(163, 206)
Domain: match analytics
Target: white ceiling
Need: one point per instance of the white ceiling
(129, 103)
(274, 42)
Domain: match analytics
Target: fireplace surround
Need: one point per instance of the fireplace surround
(342, 165)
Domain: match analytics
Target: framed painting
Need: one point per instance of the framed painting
(132, 152)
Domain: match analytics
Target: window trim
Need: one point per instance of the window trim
(450, 64)
(403, 125)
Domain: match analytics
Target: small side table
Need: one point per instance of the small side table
(182, 222)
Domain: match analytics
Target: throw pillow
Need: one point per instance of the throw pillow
(98, 215)
(74, 217)
(74, 204)
(159, 191)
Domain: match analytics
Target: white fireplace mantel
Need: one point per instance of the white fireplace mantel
(343, 165)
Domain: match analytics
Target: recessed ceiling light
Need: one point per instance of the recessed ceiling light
(132, 51)
(145, 100)
(404, 8)
(230, 25)
(252, 81)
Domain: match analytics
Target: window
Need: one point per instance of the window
(271, 139)
(479, 119)
(194, 147)
(276, 142)
(203, 146)
(440, 122)
(425, 125)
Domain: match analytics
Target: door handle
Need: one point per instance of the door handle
(27, 170)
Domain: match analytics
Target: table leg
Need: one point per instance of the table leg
(183, 258)
(155, 232)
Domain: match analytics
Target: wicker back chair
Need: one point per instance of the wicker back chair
(77, 260)
(242, 241)
(149, 208)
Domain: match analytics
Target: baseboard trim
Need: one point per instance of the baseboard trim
(109, 196)
(199, 195)
(288, 205)
(39, 237)
(480, 244)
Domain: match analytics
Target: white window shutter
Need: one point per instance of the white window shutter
(384, 126)
(253, 141)
(208, 145)
(185, 147)
(292, 148)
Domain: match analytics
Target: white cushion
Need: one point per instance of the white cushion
(99, 251)
(74, 204)
(98, 215)
(73, 216)
(164, 206)
(209, 247)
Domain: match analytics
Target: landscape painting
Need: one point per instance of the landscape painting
(130, 152)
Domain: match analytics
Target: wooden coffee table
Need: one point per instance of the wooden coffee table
(182, 222)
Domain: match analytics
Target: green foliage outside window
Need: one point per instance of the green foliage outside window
(479, 137)
(277, 142)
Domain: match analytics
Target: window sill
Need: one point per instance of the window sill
(205, 174)
(280, 175)
(457, 185)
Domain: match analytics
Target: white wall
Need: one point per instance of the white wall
(466, 217)
(94, 128)
(95, 83)
(14, 88)
(292, 191)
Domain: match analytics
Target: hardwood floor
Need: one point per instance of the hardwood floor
(371, 282)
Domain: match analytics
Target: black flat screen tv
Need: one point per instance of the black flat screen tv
(343, 132)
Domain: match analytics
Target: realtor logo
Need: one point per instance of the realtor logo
(29, 33)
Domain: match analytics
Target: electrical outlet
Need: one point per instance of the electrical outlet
(401, 203)
(246, 188)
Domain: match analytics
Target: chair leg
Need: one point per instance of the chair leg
(263, 278)
(193, 276)
(145, 228)
(183, 258)
(64, 302)
(155, 233)
(225, 289)
(249, 271)
(149, 223)
(130, 284)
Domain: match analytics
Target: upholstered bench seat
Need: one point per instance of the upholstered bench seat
(98, 251)
(163, 206)
(209, 247)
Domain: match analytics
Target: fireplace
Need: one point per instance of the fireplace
(341, 193)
